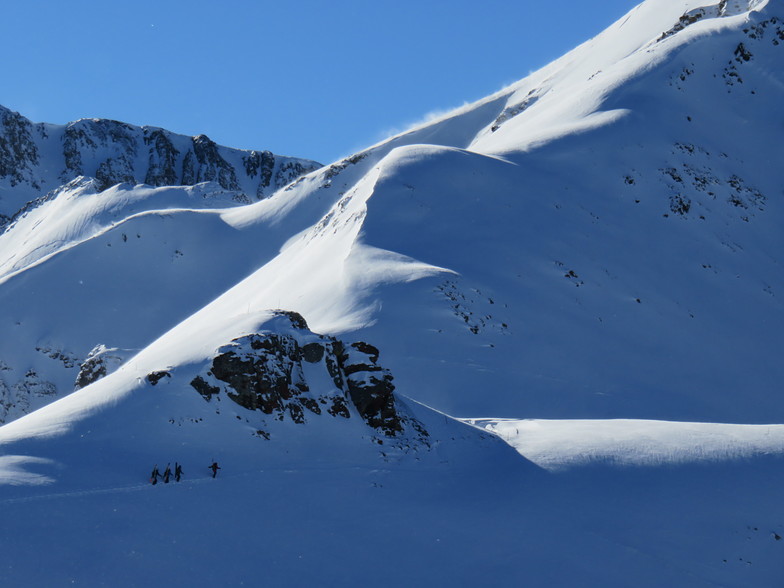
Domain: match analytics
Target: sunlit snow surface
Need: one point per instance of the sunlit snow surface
(560, 444)
(592, 254)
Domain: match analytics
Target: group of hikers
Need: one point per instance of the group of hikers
(167, 473)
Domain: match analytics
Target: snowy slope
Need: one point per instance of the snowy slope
(559, 444)
(608, 272)
(592, 255)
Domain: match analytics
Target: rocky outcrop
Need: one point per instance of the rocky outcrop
(512, 111)
(204, 164)
(18, 149)
(31, 391)
(100, 362)
(723, 9)
(261, 165)
(266, 372)
(162, 160)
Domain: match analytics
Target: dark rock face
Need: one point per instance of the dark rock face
(512, 111)
(18, 150)
(205, 164)
(100, 362)
(30, 391)
(260, 164)
(92, 370)
(370, 388)
(313, 352)
(203, 388)
(155, 377)
(265, 372)
(114, 171)
(162, 159)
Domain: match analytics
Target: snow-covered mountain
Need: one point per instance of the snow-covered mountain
(585, 267)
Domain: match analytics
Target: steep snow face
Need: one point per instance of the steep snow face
(37, 157)
(608, 272)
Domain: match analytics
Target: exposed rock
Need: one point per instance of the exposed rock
(29, 392)
(67, 358)
(742, 54)
(513, 111)
(114, 171)
(339, 407)
(290, 171)
(264, 372)
(335, 169)
(18, 151)
(297, 320)
(100, 362)
(265, 377)
(91, 143)
(313, 352)
(202, 387)
(155, 377)
(690, 18)
(260, 164)
(162, 159)
(679, 204)
(211, 166)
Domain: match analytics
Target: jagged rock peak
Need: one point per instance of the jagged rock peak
(115, 152)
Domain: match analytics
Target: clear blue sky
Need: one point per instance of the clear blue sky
(308, 78)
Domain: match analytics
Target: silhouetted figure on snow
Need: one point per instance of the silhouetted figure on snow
(167, 474)
(214, 467)
(177, 471)
(155, 475)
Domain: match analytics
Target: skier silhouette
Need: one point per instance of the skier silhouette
(166, 474)
(215, 467)
(155, 475)
(177, 471)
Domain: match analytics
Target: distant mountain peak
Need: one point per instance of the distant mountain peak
(115, 152)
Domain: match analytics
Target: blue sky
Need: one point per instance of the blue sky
(310, 79)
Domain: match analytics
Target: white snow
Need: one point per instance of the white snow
(593, 254)
(559, 444)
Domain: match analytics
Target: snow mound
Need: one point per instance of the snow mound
(562, 444)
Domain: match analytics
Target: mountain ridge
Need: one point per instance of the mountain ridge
(37, 157)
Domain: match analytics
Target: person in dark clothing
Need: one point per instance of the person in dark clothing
(214, 467)
(166, 474)
(155, 475)
(177, 471)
